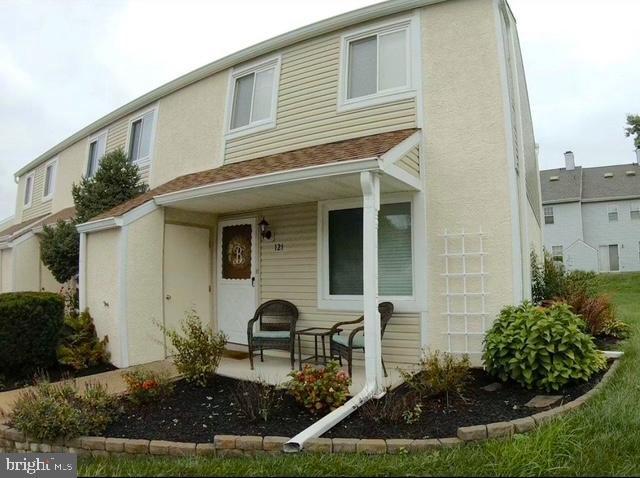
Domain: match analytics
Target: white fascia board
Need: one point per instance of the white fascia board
(613, 198)
(402, 148)
(272, 45)
(559, 201)
(23, 238)
(5, 245)
(403, 176)
(272, 179)
(138, 213)
(99, 225)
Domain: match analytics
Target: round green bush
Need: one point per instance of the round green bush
(30, 325)
(542, 348)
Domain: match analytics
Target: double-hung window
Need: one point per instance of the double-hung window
(97, 147)
(49, 179)
(612, 213)
(141, 138)
(634, 212)
(28, 190)
(548, 215)
(377, 65)
(557, 253)
(253, 97)
(341, 253)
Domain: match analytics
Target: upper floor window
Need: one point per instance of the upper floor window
(557, 253)
(548, 215)
(28, 190)
(49, 179)
(254, 97)
(612, 212)
(97, 148)
(377, 65)
(141, 138)
(634, 213)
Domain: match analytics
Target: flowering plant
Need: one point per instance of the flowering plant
(144, 386)
(320, 390)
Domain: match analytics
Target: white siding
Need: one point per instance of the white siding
(567, 226)
(411, 162)
(6, 270)
(38, 207)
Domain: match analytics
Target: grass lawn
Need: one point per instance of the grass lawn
(601, 439)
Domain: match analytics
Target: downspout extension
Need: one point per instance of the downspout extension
(370, 183)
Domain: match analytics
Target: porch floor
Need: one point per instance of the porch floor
(274, 370)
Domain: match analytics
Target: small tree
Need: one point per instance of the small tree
(60, 250)
(633, 129)
(116, 181)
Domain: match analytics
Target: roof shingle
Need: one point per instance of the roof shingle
(372, 146)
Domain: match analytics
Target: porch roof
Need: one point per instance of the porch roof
(372, 147)
(36, 223)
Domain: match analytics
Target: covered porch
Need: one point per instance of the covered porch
(174, 257)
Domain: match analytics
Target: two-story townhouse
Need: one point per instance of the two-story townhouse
(383, 154)
(592, 216)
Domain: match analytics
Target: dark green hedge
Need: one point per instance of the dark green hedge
(30, 325)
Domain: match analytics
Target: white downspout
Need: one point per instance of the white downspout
(370, 183)
(82, 272)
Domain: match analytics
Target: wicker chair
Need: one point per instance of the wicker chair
(343, 346)
(276, 329)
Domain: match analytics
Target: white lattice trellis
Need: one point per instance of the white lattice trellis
(466, 292)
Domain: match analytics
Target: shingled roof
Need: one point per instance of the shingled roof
(24, 227)
(603, 183)
(372, 146)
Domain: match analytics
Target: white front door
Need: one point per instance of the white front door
(187, 276)
(237, 277)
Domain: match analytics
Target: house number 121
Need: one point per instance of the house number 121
(278, 247)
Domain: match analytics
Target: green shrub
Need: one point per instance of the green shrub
(145, 386)
(320, 390)
(30, 325)
(547, 278)
(51, 411)
(580, 282)
(60, 250)
(542, 348)
(440, 374)
(257, 400)
(80, 347)
(198, 349)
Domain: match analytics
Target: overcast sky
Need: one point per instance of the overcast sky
(65, 63)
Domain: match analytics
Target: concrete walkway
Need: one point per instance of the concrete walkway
(112, 380)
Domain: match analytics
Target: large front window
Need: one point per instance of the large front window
(395, 264)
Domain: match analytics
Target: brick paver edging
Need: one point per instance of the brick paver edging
(231, 445)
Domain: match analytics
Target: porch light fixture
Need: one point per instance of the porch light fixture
(264, 229)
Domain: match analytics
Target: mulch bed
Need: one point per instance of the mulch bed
(194, 414)
(607, 343)
(53, 374)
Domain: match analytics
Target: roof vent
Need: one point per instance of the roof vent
(630, 173)
(554, 178)
(608, 175)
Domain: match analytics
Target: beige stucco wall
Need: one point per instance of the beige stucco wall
(102, 282)
(190, 129)
(72, 165)
(144, 294)
(26, 254)
(466, 160)
(6, 270)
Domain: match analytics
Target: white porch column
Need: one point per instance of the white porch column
(370, 183)
(82, 272)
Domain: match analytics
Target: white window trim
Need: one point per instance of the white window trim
(49, 197)
(31, 175)
(91, 139)
(545, 215)
(633, 207)
(354, 303)
(410, 24)
(149, 159)
(612, 209)
(257, 126)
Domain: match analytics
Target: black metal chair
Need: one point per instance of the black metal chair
(343, 346)
(276, 329)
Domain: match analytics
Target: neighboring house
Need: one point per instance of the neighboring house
(592, 216)
(415, 108)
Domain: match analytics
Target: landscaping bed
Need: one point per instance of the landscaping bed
(196, 414)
